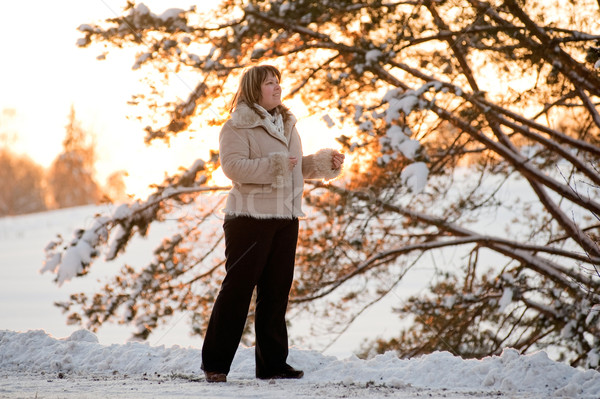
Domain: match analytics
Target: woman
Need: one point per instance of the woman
(261, 152)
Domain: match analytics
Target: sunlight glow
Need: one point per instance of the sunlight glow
(48, 73)
(62, 74)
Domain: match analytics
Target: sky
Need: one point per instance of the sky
(43, 73)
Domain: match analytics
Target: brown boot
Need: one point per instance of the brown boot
(214, 376)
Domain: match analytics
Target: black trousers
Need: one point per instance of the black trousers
(259, 253)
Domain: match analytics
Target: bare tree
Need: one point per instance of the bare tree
(21, 178)
(71, 179)
(22, 184)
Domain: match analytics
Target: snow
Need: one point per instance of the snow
(284, 8)
(391, 93)
(140, 60)
(396, 136)
(79, 359)
(407, 101)
(116, 236)
(85, 28)
(122, 211)
(71, 264)
(409, 148)
(405, 104)
(372, 56)
(506, 299)
(81, 42)
(415, 176)
(330, 123)
(141, 9)
(77, 255)
(358, 112)
(449, 301)
(35, 363)
(398, 139)
(593, 314)
(366, 126)
(171, 13)
(569, 329)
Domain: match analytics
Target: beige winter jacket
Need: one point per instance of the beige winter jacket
(256, 159)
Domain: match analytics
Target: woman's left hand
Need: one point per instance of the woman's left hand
(337, 160)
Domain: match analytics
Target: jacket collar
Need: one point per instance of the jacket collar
(243, 117)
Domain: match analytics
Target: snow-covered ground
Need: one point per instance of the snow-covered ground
(41, 357)
(36, 365)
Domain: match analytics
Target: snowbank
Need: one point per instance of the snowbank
(82, 355)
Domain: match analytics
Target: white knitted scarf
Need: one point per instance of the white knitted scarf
(274, 121)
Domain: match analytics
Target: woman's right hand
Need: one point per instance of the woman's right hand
(337, 160)
(293, 162)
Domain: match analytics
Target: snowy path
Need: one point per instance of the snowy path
(36, 365)
(45, 387)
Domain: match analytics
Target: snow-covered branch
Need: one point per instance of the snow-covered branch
(72, 259)
(527, 254)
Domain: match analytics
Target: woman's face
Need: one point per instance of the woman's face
(270, 93)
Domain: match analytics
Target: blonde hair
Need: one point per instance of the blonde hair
(249, 90)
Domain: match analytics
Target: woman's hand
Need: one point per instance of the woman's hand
(337, 160)
(293, 162)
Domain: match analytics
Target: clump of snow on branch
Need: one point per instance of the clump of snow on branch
(414, 176)
(140, 60)
(406, 104)
(506, 299)
(372, 56)
(141, 12)
(78, 255)
(358, 113)
(118, 234)
(330, 123)
(139, 18)
(569, 329)
(366, 126)
(284, 8)
(449, 301)
(593, 316)
(398, 137)
(407, 101)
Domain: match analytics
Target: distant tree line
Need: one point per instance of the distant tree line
(69, 181)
